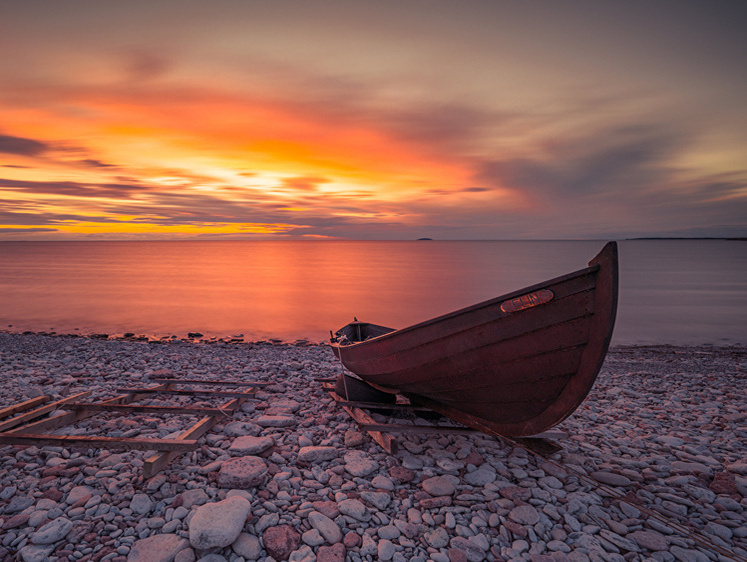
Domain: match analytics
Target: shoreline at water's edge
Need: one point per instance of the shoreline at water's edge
(303, 342)
(664, 427)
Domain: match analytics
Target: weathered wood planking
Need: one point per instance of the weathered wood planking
(158, 461)
(33, 414)
(137, 408)
(45, 440)
(76, 416)
(212, 382)
(216, 393)
(23, 406)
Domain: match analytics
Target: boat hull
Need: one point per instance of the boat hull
(515, 365)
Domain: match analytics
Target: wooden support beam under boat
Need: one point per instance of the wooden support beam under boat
(416, 429)
(387, 442)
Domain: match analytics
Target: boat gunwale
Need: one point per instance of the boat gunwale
(484, 304)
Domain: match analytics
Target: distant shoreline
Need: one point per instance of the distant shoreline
(684, 238)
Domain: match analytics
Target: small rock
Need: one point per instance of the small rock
(524, 515)
(352, 539)
(157, 548)
(326, 527)
(438, 538)
(35, 553)
(360, 464)
(687, 555)
(242, 473)
(355, 509)
(247, 546)
(77, 494)
(250, 445)
(353, 439)
(610, 478)
(439, 486)
(276, 421)
(386, 549)
(218, 524)
(317, 454)
(195, 496)
(402, 474)
(739, 467)
(483, 475)
(473, 552)
(334, 553)
(280, 541)
(141, 504)
(312, 537)
(380, 500)
(724, 483)
(52, 532)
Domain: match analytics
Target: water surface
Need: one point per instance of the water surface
(671, 291)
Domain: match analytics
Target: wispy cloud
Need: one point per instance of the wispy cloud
(22, 146)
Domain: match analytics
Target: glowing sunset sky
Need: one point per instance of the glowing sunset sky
(372, 120)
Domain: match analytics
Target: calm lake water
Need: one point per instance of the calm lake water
(671, 291)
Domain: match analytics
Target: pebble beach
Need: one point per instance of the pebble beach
(653, 465)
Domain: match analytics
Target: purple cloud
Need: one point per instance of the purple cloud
(22, 146)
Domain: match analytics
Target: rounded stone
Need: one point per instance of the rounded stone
(610, 478)
(439, 486)
(247, 546)
(316, 454)
(242, 473)
(355, 509)
(53, 531)
(524, 515)
(157, 548)
(280, 541)
(326, 527)
(218, 524)
(250, 445)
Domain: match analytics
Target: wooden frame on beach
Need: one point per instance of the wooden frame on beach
(22, 430)
(542, 443)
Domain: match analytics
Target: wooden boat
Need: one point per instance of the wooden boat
(515, 365)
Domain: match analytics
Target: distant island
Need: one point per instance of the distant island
(425, 239)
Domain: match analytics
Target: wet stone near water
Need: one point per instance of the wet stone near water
(664, 429)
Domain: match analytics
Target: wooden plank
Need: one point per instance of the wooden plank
(216, 393)
(33, 414)
(157, 462)
(43, 440)
(384, 406)
(404, 428)
(213, 382)
(377, 405)
(23, 406)
(387, 442)
(541, 446)
(75, 416)
(136, 408)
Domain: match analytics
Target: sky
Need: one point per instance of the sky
(489, 119)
